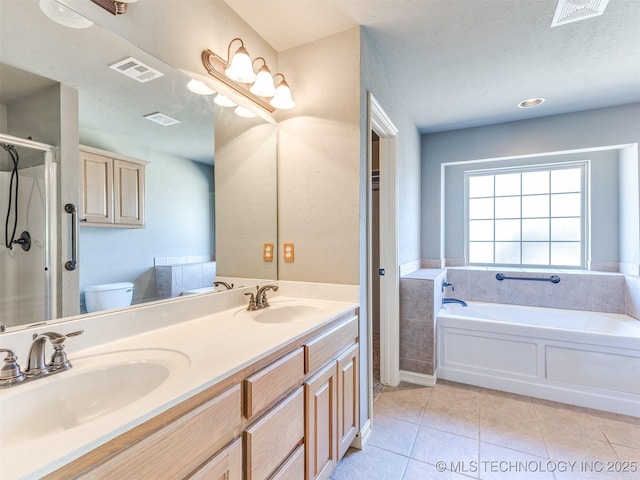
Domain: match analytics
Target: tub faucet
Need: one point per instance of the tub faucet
(36, 365)
(261, 295)
(224, 284)
(454, 300)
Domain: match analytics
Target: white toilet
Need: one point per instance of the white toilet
(108, 296)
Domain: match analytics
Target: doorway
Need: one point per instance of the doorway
(382, 251)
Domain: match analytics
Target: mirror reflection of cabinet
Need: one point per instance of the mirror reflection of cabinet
(112, 189)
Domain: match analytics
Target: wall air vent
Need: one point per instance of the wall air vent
(161, 118)
(569, 11)
(136, 69)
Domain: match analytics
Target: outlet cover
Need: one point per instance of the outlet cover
(289, 255)
(267, 252)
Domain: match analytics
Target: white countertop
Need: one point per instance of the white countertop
(211, 348)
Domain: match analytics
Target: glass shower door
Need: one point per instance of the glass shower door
(27, 198)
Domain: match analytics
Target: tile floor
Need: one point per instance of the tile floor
(455, 431)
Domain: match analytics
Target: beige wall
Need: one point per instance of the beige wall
(319, 161)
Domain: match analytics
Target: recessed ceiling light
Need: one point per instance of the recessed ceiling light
(161, 118)
(63, 15)
(531, 102)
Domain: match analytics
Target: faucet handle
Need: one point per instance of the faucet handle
(10, 372)
(59, 359)
(446, 284)
(252, 301)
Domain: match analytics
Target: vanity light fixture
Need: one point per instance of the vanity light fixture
(283, 99)
(531, 102)
(115, 7)
(196, 86)
(224, 101)
(263, 86)
(239, 68)
(238, 77)
(244, 112)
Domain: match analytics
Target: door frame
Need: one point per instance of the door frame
(379, 122)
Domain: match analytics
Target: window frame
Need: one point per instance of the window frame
(583, 165)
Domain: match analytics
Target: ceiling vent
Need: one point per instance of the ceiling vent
(569, 11)
(161, 118)
(136, 69)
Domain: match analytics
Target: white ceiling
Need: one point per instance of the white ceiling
(109, 103)
(463, 63)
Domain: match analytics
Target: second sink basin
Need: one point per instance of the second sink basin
(284, 313)
(96, 385)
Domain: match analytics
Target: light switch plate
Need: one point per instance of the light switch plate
(289, 254)
(267, 252)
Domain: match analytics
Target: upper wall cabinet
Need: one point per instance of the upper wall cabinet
(112, 189)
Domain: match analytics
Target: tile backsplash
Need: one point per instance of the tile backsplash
(592, 291)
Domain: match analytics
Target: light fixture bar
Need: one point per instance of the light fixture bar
(114, 7)
(216, 65)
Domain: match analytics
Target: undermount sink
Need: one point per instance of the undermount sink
(283, 313)
(96, 386)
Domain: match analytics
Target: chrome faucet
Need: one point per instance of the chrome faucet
(261, 295)
(454, 300)
(259, 300)
(3, 327)
(36, 365)
(10, 374)
(224, 284)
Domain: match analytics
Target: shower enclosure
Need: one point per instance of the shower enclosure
(27, 250)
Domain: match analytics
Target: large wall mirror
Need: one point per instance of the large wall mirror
(210, 184)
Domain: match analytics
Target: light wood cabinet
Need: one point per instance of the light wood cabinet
(331, 398)
(271, 439)
(270, 420)
(113, 189)
(321, 401)
(226, 465)
(348, 399)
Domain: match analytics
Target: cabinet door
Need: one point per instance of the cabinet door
(321, 398)
(97, 188)
(226, 465)
(128, 191)
(348, 404)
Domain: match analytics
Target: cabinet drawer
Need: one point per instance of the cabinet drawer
(270, 440)
(182, 446)
(293, 468)
(321, 349)
(226, 465)
(269, 385)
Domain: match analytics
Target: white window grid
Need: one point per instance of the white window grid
(584, 195)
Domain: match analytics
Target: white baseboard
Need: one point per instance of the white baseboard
(418, 378)
(363, 436)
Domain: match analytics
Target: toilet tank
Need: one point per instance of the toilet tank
(108, 296)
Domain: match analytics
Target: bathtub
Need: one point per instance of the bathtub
(583, 358)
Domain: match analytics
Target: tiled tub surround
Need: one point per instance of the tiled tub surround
(206, 328)
(598, 292)
(172, 280)
(421, 298)
(583, 358)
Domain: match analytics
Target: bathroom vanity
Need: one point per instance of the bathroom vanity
(268, 394)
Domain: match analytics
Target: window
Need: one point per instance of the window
(531, 216)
